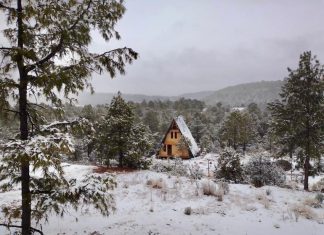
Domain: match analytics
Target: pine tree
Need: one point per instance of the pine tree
(41, 34)
(50, 189)
(119, 137)
(229, 166)
(238, 129)
(183, 144)
(197, 127)
(261, 171)
(298, 117)
(151, 119)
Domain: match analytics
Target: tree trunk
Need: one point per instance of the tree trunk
(23, 118)
(307, 157)
(244, 148)
(121, 157)
(25, 177)
(306, 172)
(234, 139)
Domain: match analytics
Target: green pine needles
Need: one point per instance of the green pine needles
(47, 50)
(298, 117)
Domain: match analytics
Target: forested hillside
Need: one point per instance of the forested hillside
(243, 94)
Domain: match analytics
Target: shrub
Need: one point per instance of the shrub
(219, 194)
(138, 163)
(261, 171)
(223, 186)
(195, 172)
(263, 200)
(284, 164)
(319, 197)
(304, 211)
(318, 186)
(161, 166)
(174, 167)
(156, 183)
(229, 166)
(313, 202)
(188, 210)
(209, 188)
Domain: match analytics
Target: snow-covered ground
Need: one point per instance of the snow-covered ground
(142, 209)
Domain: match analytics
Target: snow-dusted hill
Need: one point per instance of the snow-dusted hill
(143, 209)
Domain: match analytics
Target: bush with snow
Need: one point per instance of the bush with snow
(261, 171)
(156, 183)
(304, 211)
(209, 188)
(319, 197)
(223, 186)
(313, 202)
(195, 172)
(318, 186)
(173, 167)
(229, 166)
(284, 164)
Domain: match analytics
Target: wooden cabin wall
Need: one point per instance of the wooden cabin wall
(173, 142)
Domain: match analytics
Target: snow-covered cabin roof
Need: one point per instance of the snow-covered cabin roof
(187, 133)
(239, 109)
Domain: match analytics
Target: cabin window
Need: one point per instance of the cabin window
(171, 135)
(164, 148)
(175, 135)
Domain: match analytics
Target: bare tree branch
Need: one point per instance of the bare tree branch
(37, 105)
(12, 111)
(18, 226)
(7, 48)
(6, 7)
(59, 46)
(55, 50)
(108, 52)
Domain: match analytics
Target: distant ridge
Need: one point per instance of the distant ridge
(105, 98)
(242, 94)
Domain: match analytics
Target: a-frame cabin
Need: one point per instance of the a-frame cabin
(178, 131)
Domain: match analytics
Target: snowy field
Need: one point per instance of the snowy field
(143, 209)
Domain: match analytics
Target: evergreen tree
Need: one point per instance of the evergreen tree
(197, 127)
(230, 129)
(151, 119)
(52, 190)
(261, 171)
(183, 144)
(119, 137)
(298, 117)
(229, 166)
(238, 129)
(40, 34)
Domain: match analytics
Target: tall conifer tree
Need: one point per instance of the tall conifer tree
(41, 34)
(298, 117)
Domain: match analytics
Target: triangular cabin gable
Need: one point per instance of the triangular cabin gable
(176, 130)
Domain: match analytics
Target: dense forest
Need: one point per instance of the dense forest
(213, 126)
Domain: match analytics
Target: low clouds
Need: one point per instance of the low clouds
(189, 45)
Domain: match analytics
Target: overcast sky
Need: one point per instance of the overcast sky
(195, 45)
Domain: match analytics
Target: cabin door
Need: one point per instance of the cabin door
(169, 150)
